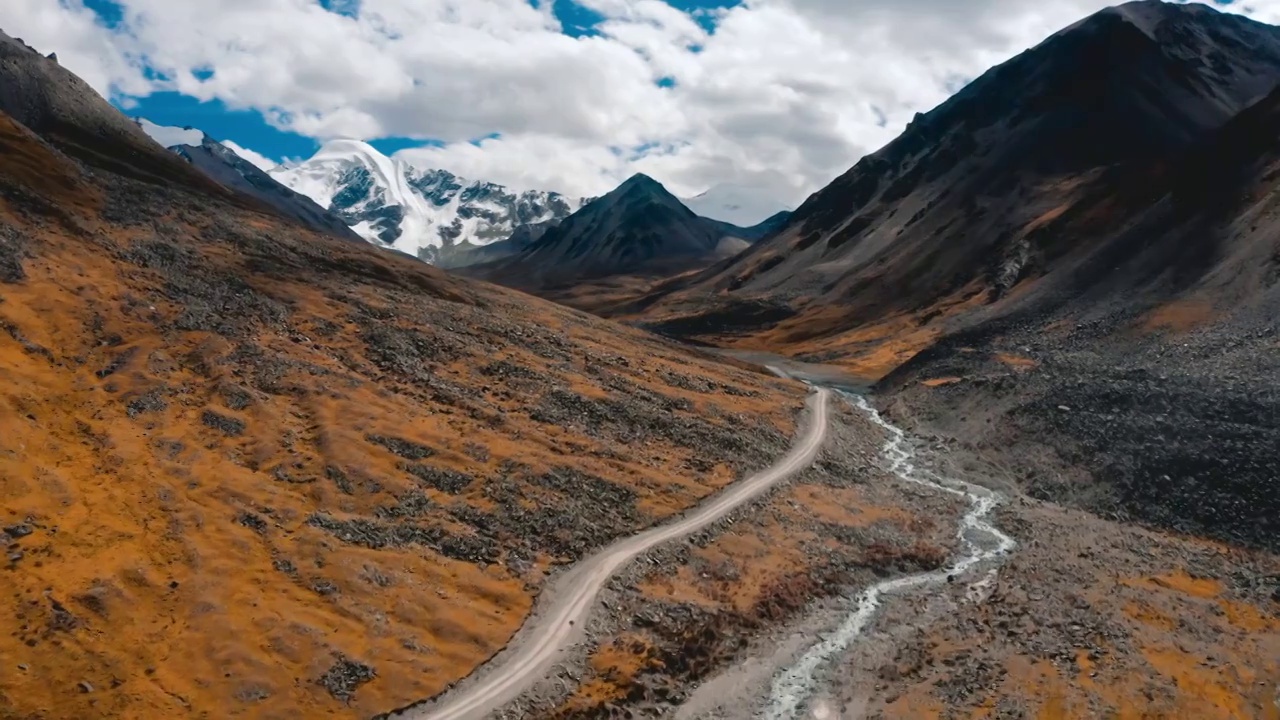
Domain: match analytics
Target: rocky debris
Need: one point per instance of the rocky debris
(406, 449)
(630, 421)
(408, 352)
(271, 371)
(210, 300)
(12, 251)
(345, 676)
(117, 363)
(577, 484)
(378, 535)
(60, 618)
(339, 479)
(507, 370)
(285, 566)
(19, 531)
(442, 479)
(1180, 436)
(237, 398)
(29, 347)
(1081, 594)
(476, 452)
(227, 425)
(550, 520)
(253, 522)
(150, 401)
(410, 505)
(702, 385)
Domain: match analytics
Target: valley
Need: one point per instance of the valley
(988, 427)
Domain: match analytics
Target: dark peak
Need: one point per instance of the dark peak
(641, 188)
(640, 181)
(1148, 16)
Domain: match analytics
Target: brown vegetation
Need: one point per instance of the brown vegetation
(250, 470)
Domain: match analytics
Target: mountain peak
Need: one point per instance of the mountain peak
(1146, 15)
(636, 228)
(641, 183)
(345, 147)
(424, 212)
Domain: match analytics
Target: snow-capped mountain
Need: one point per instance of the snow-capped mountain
(230, 170)
(427, 213)
(739, 205)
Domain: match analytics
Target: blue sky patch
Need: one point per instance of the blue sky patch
(575, 20)
(109, 13)
(246, 128)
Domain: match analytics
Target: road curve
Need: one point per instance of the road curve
(553, 629)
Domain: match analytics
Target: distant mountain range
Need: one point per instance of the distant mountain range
(638, 229)
(431, 214)
(350, 189)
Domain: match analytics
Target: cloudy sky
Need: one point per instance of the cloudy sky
(570, 95)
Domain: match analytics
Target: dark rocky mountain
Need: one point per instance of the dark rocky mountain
(954, 212)
(526, 235)
(1138, 379)
(1073, 264)
(228, 169)
(639, 228)
(51, 100)
(757, 232)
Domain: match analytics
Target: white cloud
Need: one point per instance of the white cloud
(785, 94)
(82, 43)
(257, 158)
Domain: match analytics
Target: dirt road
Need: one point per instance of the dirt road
(555, 628)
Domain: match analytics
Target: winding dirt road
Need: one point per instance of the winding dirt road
(554, 629)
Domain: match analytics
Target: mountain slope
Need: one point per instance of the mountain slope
(51, 100)
(949, 215)
(250, 469)
(230, 170)
(1072, 266)
(426, 213)
(1136, 380)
